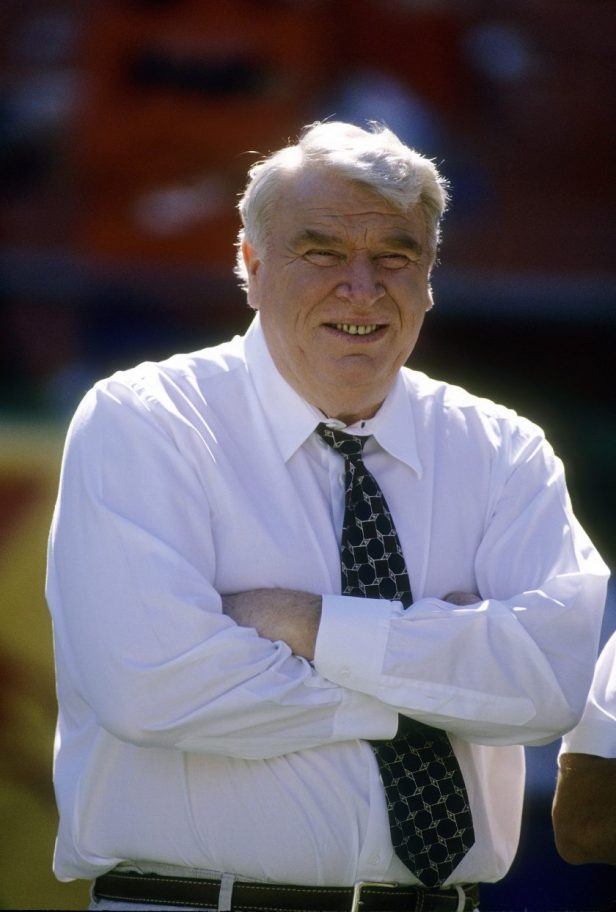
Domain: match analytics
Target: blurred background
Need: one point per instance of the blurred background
(126, 130)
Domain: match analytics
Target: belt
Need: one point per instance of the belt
(365, 896)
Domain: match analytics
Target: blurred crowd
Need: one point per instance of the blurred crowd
(127, 128)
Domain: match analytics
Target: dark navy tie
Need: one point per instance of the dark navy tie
(429, 814)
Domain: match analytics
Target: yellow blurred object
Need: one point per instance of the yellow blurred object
(29, 469)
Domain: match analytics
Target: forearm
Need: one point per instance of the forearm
(413, 660)
(137, 620)
(292, 616)
(472, 669)
(206, 685)
(285, 615)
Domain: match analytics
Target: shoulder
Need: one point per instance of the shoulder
(172, 387)
(181, 372)
(451, 410)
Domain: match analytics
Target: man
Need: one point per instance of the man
(309, 604)
(584, 810)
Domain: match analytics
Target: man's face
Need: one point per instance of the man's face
(342, 287)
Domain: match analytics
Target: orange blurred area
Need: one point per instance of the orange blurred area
(175, 93)
(127, 128)
(130, 124)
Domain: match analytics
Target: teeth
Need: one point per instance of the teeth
(354, 330)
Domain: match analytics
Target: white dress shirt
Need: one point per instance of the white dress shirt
(596, 731)
(188, 740)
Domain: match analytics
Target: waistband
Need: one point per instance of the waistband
(364, 896)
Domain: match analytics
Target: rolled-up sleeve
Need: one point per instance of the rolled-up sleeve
(516, 666)
(140, 636)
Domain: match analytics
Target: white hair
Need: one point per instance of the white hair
(374, 157)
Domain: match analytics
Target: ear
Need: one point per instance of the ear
(252, 263)
(251, 259)
(430, 299)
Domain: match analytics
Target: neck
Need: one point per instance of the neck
(347, 416)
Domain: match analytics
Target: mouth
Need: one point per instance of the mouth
(356, 329)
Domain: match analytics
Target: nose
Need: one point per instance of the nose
(360, 284)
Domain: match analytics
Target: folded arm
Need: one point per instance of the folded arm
(293, 616)
(144, 649)
(144, 645)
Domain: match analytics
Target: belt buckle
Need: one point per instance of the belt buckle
(359, 885)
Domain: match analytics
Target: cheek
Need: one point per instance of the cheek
(285, 322)
(412, 317)
(412, 323)
(416, 302)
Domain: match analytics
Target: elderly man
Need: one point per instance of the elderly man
(309, 604)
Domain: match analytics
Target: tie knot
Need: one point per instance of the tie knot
(347, 444)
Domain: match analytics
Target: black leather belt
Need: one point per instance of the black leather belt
(364, 896)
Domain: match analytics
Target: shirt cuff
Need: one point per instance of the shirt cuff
(595, 737)
(364, 717)
(352, 639)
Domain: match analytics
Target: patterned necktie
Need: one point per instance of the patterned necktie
(429, 815)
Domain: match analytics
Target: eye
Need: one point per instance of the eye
(323, 257)
(394, 260)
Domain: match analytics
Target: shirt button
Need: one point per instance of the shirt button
(374, 859)
(345, 671)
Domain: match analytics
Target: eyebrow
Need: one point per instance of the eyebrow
(403, 241)
(398, 241)
(310, 236)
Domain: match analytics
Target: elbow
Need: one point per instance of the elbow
(130, 730)
(130, 721)
(562, 711)
(568, 719)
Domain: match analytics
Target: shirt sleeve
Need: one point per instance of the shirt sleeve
(596, 731)
(513, 668)
(140, 637)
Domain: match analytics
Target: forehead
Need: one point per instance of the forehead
(327, 202)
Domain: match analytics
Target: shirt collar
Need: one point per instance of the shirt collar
(292, 419)
(393, 426)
